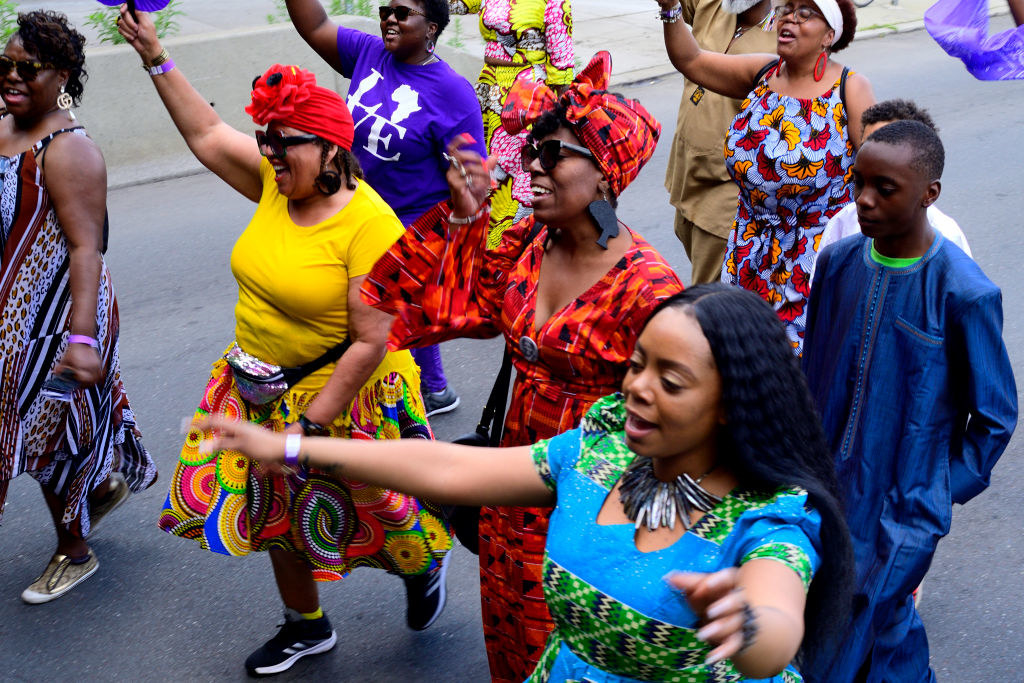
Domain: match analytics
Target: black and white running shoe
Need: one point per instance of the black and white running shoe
(425, 596)
(297, 638)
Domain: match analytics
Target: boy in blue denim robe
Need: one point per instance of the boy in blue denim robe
(905, 357)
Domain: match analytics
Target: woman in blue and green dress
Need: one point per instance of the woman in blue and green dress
(722, 554)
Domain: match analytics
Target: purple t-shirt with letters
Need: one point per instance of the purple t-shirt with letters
(405, 116)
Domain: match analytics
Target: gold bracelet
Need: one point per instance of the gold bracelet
(157, 61)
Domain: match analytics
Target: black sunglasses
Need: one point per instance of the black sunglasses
(401, 12)
(549, 153)
(276, 145)
(28, 69)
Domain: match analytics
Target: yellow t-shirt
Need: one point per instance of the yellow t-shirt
(293, 279)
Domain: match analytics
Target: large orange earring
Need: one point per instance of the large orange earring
(819, 66)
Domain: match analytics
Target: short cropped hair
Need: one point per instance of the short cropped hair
(437, 12)
(896, 110)
(929, 154)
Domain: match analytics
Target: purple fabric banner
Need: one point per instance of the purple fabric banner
(141, 5)
(960, 27)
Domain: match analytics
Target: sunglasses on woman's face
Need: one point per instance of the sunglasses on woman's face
(276, 145)
(799, 14)
(28, 69)
(549, 153)
(401, 12)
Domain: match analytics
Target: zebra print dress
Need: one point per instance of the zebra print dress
(69, 447)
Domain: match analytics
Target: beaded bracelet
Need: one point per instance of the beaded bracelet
(671, 16)
(157, 61)
(467, 220)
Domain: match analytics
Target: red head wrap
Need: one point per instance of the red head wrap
(620, 132)
(290, 95)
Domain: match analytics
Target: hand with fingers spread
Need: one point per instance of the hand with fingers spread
(752, 615)
(728, 621)
(259, 444)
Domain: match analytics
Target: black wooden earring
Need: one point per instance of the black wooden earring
(603, 214)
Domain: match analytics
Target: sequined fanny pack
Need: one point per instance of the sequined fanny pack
(260, 382)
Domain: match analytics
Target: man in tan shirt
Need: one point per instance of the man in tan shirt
(699, 186)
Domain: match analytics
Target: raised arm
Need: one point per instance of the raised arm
(1017, 10)
(443, 472)
(729, 75)
(229, 153)
(320, 33)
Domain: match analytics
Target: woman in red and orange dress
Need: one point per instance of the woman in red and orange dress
(569, 306)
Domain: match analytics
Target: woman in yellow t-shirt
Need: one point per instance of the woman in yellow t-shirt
(317, 231)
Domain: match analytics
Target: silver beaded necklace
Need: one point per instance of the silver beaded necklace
(648, 500)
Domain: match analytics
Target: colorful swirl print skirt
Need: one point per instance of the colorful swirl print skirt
(231, 505)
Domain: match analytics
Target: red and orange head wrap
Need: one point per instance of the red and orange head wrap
(620, 132)
(290, 95)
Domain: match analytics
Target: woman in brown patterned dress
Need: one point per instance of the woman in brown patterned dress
(59, 314)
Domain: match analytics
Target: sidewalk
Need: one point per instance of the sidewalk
(222, 44)
(629, 30)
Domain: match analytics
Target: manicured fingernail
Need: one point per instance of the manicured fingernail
(671, 575)
(713, 658)
(715, 611)
(706, 633)
(468, 138)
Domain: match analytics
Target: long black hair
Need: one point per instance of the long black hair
(773, 437)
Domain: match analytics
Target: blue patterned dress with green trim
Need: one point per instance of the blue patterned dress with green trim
(616, 620)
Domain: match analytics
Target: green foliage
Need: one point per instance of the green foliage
(8, 20)
(455, 37)
(104, 21)
(358, 8)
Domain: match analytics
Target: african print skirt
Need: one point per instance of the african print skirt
(231, 505)
(510, 201)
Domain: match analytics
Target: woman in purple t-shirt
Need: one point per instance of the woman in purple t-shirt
(408, 104)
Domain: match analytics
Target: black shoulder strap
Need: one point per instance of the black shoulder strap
(764, 70)
(842, 85)
(295, 375)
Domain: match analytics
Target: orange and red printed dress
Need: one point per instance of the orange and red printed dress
(442, 283)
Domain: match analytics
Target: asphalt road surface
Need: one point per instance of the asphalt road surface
(159, 608)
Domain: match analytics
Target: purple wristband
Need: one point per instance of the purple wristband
(83, 339)
(162, 68)
(292, 444)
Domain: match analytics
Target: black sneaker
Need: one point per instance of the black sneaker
(443, 401)
(425, 596)
(297, 638)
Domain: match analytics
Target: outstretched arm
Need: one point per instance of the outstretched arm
(311, 21)
(729, 75)
(442, 472)
(229, 153)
